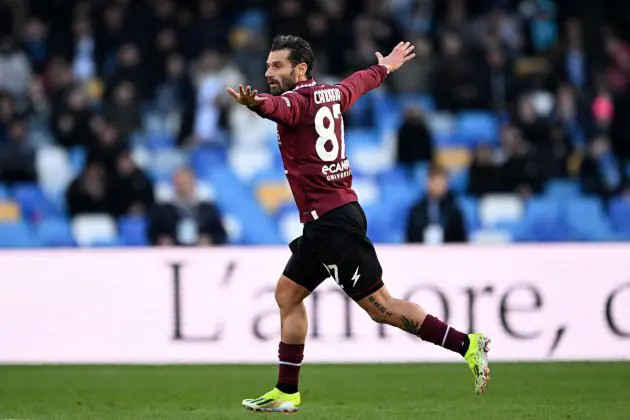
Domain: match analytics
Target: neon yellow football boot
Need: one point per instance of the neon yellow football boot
(477, 359)
(274, 401)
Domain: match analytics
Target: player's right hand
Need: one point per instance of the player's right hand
(246, 96)
(399, 56)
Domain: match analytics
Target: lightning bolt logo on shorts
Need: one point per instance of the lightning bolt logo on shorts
(355, 277)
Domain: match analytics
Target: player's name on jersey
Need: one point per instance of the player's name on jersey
(325, 96)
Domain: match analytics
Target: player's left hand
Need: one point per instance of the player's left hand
(246, 96)
(399, 56)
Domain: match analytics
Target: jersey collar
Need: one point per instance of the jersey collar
(305, 83)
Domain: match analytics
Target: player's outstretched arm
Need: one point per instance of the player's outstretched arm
(399, 56)
(246, 96)
(285, 109)
(363, 81)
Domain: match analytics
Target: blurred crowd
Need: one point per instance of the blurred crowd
(81, 73)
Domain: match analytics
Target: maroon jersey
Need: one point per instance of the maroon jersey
(311, 139)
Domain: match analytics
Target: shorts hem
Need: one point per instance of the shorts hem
(376, 287)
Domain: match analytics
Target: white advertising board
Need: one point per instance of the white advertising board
(559, 302)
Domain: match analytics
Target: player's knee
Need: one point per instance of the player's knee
(289, 294)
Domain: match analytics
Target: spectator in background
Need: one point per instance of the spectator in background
(35, 43)
(15, 69)
(213, 74)
(186, 220)
(166, 44)
(415, 75)
(107, 148)
(17, 157)
(436, 218)
(414, 139)
(175, 98)
(573, 65)
(73, 122)
(88, 194)
(131, 189)
(521, 171)
(124, 111)
(601, 173)
(497, 84)
(7, 114)
(485, 175)
(210, 31)
(129, 69)
(84, 56)
(454, 85)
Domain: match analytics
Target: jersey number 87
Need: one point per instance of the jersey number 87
(325, 125)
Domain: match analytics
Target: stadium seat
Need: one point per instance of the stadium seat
(234, 229)
(54, 232)
(94, 229)
(454, 158)
(495, 210)
(133, 231)
(54, 169)
(470, 209)
(442, 128)
(368, 190)
(586, 220)
(289, 225)
(9, 211)
(473, 127)
(32, 201)
(77, 156)
(458, 180)
(370, 160)
(159, 140)
(273, 194)
(490, 237)
(15, 235)
(141, 156)
(164, 193)
(561, 189)
(425, 102)
(164, 162)
(4, 192)
(620, 216)
(247, 163)
(206, 159)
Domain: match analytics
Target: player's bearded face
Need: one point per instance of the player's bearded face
(282, 83)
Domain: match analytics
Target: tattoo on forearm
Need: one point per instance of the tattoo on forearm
(382, 309)
(410, 326)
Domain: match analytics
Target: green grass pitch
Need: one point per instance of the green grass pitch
(390, 392)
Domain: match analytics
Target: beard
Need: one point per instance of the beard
(283, 84)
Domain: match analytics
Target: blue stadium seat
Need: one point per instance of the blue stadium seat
(541, 222)
(159, 140)
(54, 232)
(473, 127)
(77, 157)
(458, 180)
(32, 201)
(204, 160)
(425, 102)
(562, 188)
(15, 235)
(620, 216)
(133, 231)
(4, 192)
(470, 208)
(586, 220)
(357, 138)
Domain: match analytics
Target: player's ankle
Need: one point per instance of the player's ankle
(287, 388)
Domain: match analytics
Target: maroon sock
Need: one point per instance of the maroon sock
(437, 332)
(289, 362)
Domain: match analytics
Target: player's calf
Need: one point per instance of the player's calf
(410, 317)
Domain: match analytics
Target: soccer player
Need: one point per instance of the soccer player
(334, 241)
